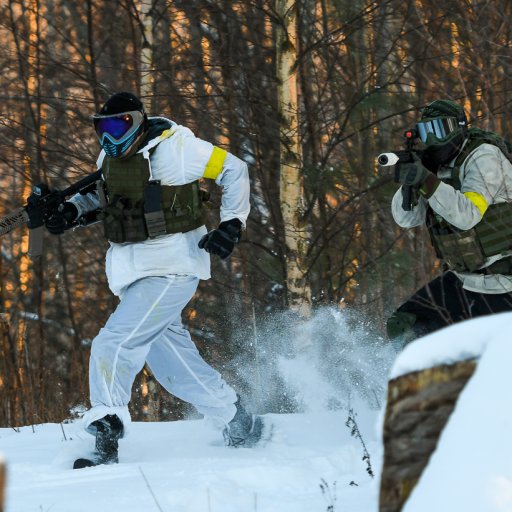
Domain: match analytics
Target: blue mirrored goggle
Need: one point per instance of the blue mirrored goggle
(440, 127)
(117, 126)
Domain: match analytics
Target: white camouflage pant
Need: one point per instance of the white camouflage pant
(146, 327)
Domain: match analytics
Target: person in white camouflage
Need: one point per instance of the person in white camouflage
(151, 207)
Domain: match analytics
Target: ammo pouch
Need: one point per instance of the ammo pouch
(123, 221)
(135, 208)
(466, 251)
(459, 250)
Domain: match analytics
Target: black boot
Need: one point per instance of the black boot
(108, 430)
(244, 429)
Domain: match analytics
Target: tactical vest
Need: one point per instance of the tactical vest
(135, 208)
(467, 250)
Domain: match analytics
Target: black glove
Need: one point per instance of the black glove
(415, 176)
(412, 173)
(62, 219)
(222, 241)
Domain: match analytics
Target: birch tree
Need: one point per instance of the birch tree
(290, 161)
(146, 52)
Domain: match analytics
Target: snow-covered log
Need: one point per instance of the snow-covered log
(419, 404)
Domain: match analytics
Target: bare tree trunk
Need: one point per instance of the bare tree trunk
(92, 56)
(291, 182)
(146, 53)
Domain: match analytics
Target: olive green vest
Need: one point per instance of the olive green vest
(467, 250)
(136, 208)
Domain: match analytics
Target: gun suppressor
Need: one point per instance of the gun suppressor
(387, 159)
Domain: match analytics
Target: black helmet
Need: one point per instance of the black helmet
(442, 128)
(120, 124)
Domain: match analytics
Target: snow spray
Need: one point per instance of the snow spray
(325, 362)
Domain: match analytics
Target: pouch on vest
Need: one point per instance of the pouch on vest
(124, 221)
(495, 229)
(460, 250)
(153, 213)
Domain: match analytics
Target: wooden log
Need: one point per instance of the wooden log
(418, 407)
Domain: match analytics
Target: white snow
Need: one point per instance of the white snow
(184, 466)
(310, 464)
(465, 340)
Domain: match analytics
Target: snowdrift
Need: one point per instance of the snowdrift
(183, 466)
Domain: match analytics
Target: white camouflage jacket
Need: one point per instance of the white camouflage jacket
(179, 158)
(486, 178)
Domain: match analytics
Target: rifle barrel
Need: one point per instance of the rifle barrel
(84, 182)
(388, 159)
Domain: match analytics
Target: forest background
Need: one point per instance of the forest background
(358, 71)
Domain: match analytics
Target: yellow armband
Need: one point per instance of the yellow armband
(478, 200)
(214, 166)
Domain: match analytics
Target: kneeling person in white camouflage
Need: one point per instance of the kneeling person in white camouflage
(150, 202)
(462, 184)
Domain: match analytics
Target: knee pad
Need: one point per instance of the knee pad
(399, 324)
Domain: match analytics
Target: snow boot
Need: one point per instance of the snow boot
(109, 430)
(244, 429)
